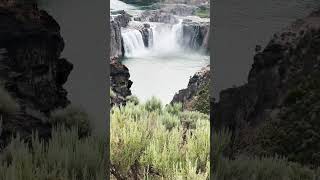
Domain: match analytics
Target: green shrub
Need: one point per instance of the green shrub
(295, 134)
(153, 104)
(174, 109)
(148, 141)
(7, 104)
(201, 101)
(203, 12)
(133, 99)
(65, 157)
(70, 117)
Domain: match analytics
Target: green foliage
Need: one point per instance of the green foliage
(133, 99)
(7, 104)
(174, 109)
(296, 133)
(201, 102)
(70, 117)
(64, 157)
(153, 105)
(244, 168)
(203, 12)
(151, 142)
(253, 168)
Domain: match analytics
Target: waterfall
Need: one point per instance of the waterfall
(167, 37)
(132, 42)
(163, 39)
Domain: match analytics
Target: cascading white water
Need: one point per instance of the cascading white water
(132, 42)
(164, 39)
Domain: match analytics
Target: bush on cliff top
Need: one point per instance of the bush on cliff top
(201, 102)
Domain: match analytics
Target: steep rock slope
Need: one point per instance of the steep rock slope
(119, 75)
(31, 69)
(284, 79)
(198, 82)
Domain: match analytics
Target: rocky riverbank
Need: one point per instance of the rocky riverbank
(276, 111)
(197, 90)
(31, 69)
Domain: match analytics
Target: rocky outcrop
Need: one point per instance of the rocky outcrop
(119, 81)
(196, 34)
(118, 20)
(157, 16)
(178, 9)
(147, 35)
(119, 73)
(290, 58)
(196, 83)
(31, 69)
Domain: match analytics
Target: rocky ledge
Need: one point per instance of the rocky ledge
(119, 75)
(197, 82)
(196, 34)
(119, 81)
(31, 69)
(276, 111)
(118, 20)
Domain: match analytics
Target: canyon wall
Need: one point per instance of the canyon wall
(275, 112)
(31, 68)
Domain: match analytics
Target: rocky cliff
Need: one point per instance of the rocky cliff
(118, 20)
(31, 69)
(119, 73)
(276, 111)
(196, 34)
(200, 81)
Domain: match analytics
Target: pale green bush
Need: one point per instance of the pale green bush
(151, 142)
(133, 99)
(64, 157)
(72, 116)
(174, 109)
(153, 104)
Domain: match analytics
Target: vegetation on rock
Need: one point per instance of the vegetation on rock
(296, 133)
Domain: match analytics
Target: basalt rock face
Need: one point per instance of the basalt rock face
(120, 83)
(196, 34)
(290, 58)
(118, 20)
(31, 69)
(196, 83)
(119, 75)
(147, 35)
